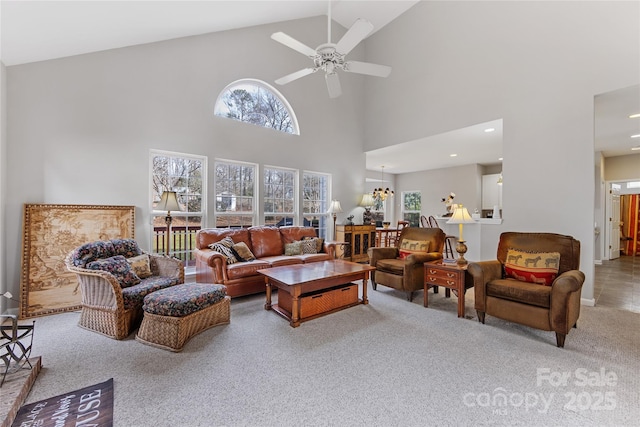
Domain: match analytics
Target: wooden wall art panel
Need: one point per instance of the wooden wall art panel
(50, 232)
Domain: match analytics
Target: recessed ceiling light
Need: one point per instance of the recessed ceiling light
(634, 116)
(500, 158)
(453, 155)
(489, 129)
(636, 135)
(635, 148)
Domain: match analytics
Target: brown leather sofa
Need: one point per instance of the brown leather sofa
(267, 245)
(550, 308)
(405, 274)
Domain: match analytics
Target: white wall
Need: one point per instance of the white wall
(3, 180)
(80, 128)
(536, 65)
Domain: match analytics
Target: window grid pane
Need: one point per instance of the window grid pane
(411, 207)
(184, 174)
(235, 189)
(279, 200)
(315, 190)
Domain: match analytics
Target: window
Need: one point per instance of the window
(411, 206)
(315, 190)
(279, 201)
(256, 102)
(186, 175)
(235, 184)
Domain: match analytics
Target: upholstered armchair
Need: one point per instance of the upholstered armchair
(535, 282)
(402, 267)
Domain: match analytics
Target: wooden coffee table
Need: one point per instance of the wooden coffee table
(308, 291)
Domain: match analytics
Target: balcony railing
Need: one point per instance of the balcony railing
(183, 242)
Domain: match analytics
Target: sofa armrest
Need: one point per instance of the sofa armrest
(211, 266)
(330, 248)
(376, 254)
(482, 273)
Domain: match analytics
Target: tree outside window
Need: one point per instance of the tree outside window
(279, 201)
(235, 185)
(315, 201)
(186, 175)
(258, 103)
(411, 207)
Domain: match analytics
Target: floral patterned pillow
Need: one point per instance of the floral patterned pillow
(126, 247)
(118, 267)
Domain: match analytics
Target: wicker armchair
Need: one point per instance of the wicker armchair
(107, 307)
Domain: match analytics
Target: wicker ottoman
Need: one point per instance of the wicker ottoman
(173, 315)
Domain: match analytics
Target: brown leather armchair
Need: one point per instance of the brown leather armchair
(405, 274)
(550, 308)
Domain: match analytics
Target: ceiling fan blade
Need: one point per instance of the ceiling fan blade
(367, 68)
(293, 44)
(333, 85)
(354, 35)
(295, 76)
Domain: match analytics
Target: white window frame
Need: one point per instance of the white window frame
(404, 211)
(248, 84)
(153, 198)
(323, 217)
(252, 214)
(293, 213)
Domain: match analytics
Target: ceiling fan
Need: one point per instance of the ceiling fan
(330, 57)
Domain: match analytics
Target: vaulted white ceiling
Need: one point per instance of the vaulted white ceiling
(32, 31)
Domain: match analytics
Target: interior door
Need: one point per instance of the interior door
(614, 222)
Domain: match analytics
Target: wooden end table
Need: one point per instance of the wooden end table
(450, 276)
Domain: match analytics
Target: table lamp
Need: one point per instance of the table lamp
(168, 202)
(461, 216)
(334, 208)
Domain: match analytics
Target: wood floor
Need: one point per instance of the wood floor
(617, 283)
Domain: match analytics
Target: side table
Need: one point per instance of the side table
(450, 276)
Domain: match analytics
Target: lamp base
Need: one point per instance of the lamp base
(461, 248)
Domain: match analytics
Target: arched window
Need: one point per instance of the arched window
(256, 102)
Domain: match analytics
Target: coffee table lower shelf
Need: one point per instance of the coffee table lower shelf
(317, 304)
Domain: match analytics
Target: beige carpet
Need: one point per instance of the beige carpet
(389, 363)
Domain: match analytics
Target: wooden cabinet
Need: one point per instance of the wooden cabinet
(359, 238)
(491, 191)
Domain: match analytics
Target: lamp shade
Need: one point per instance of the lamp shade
(461, 216)
(367, 200)
(334, 207)
(168, 202)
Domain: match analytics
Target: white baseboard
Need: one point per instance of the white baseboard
(591, 302)
(597, 262)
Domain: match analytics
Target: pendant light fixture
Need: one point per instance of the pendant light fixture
(379, 193)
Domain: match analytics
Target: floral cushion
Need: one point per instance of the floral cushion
(140, 265)
(126, 247)
(134, 295)
(92, 251)
(118, 267)
(224, 247)
(181, 300)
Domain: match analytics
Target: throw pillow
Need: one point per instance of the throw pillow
(319, 243)
(140, 265)
(242, 252)
(118, 267)
(408, 247)
(309, 247)
(224, 247)
(293, 248)
(532, 267)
